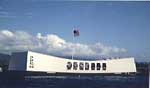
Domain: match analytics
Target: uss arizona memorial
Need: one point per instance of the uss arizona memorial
(36, 62)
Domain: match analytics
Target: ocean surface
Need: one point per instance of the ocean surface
(77, 82)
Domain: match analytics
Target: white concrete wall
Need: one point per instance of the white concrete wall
(121, 65)
(47, 63)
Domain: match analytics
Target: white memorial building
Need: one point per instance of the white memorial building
(37, 62)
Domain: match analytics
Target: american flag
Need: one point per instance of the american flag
(76, 33)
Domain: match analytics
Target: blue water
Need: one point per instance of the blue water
(76, 82)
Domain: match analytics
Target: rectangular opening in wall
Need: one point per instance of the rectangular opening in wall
(98, 66)
(75, 65)
(92, 66)
(104, 66)
(81, 65)
(86, 66)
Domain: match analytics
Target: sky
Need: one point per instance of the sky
(108, 29)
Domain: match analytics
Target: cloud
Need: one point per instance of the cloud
(52, 44)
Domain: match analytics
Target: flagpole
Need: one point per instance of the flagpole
(75, 34)
(73, 46)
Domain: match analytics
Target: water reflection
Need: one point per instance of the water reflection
(77, 82)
